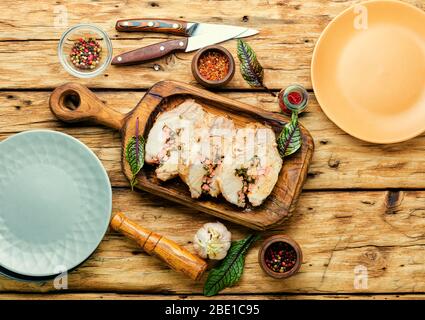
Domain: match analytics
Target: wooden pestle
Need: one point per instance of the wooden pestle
(175, 256)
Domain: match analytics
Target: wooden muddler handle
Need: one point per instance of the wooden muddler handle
(171, 253)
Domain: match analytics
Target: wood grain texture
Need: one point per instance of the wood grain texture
(288, 32)
(337, 231)
(40, 57)
(178, 258)
(276, 19)
(339, 161)
(123, 296)
(165, 96)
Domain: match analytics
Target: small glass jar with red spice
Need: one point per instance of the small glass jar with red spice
(280, 256)
(293, 99)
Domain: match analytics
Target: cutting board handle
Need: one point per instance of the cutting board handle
(175, 256)
(73, 102)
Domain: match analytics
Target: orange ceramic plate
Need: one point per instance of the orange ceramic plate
(368, 71)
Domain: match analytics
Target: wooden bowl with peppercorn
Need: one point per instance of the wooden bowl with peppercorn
(280, 256)
(213, 66)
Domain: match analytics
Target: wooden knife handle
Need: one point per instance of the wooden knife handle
(175, 256)
(73, 102)
(151, 52)
(177, 27)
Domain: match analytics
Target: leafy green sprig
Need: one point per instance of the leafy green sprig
(251, 69)
(290, 139)
(230, 270)
(135, 154)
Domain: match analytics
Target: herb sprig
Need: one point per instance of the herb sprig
(290, 139)
(135, 154)
(230, 270)
(251, 69)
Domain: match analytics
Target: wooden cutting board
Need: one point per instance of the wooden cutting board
(74, 103)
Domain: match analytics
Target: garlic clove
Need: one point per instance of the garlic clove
(212, 240)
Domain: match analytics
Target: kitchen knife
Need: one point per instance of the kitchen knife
(161, 49)
(179, 27)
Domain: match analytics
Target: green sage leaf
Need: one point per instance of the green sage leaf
(250, 67)
(135, 156)
(290, 139)
(230, 270)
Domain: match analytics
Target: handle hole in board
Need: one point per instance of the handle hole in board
(71, 100)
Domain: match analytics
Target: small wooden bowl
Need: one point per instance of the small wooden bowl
(210, 83)
(274, 239)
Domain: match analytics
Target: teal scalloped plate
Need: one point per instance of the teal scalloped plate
(55, 203)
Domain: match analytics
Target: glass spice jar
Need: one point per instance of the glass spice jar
(293, 99)
(74, 57)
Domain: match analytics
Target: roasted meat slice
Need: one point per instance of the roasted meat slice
(212, 157)
(230, 182)
(169, 137)
(251, 169)
(207, 152)
(268, 164)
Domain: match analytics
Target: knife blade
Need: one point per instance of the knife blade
(208, 28)
(247, 33)
(161, 49)
(177, 27)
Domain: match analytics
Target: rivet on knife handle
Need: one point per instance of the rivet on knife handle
(175, 256)
(151, 52)
(176, 27)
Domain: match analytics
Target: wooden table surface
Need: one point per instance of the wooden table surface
(362, 205)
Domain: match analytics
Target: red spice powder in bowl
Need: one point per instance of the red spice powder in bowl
(213, 66)
(280, 256)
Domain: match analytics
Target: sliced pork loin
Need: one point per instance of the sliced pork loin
(206, 155)
(268, 164)
(168, 138)
(230, 182)
(212, 157)
(251, 169)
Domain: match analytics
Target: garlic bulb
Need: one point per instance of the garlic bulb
(212, 241)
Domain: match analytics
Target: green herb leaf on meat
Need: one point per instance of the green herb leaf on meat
(230, 270)
(290, 139)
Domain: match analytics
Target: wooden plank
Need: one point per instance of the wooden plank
(338, 232)
(339, 161)
(284, 64)
(289, 30)
(114, 296)
(274, 18)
